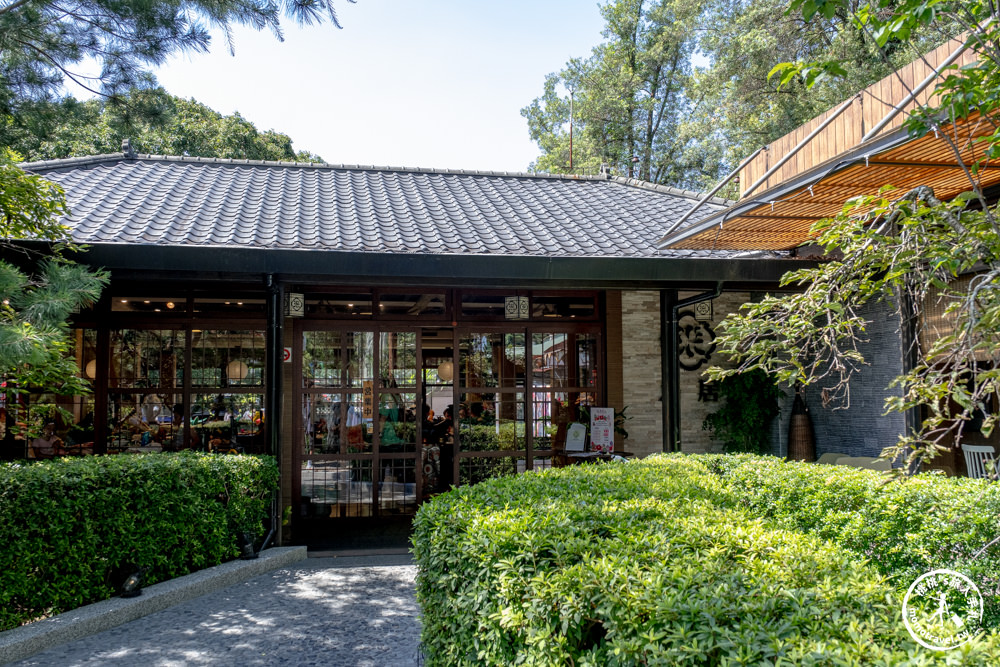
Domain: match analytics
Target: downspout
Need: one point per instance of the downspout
(673, 371)
(273, 392)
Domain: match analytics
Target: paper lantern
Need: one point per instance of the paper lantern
(446, 371)
(237, 370)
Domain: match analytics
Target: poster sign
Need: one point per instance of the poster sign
(367, 400)
(602, 430)
(286, 355)
(576, 437)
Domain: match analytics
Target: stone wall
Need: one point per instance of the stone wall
(641, 371)
(642, 375)
(696, 404)
(862, 430)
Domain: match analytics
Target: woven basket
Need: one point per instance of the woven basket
(801, 444)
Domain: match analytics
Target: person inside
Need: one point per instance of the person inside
(48, 444)
(182, 437)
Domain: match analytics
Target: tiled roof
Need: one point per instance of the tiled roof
(203, 202)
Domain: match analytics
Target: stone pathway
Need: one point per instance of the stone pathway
(320, 611)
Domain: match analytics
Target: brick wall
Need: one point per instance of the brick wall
(641, 371)
(862, 430)
(693, 410)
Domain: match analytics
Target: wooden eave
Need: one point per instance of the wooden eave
(780, 218)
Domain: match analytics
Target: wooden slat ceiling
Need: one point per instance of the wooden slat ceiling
(780, 218)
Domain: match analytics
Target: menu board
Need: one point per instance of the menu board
(602, 430)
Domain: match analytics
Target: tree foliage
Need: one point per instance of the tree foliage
(908, 250)
(155, 122)
(679, 91)
(44, 43)
(631, 104)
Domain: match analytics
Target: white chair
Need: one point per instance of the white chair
(976, 458)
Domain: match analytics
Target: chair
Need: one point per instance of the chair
(976, 457)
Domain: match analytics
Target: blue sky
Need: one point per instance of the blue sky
(415, 83)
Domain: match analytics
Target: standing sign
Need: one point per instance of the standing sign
(602, 430)
(367, 400)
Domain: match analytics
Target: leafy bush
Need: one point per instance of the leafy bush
(749, 405)
(645, 563)
(73, 529)
(903, 528)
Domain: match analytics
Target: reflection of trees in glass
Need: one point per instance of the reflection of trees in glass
(398, 359)
(321, 357)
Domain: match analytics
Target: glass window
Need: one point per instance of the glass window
(483, 306)
(412, 305)
(398, 358)
(227, 421)
(147, 358)
(491, 422)
(227, 359)
(147, 422)
(586, 360)
(550, 363)
(397, 420)
(360, 365)
(492, 360)
(563, 307)
(322, 359)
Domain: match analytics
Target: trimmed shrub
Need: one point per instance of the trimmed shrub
(73, 529)
(645, 563)
(902, 528)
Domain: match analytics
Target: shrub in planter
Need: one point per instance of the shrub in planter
(71, 530)
(644, 563)
(903, 528)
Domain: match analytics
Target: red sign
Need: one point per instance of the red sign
(287, 356)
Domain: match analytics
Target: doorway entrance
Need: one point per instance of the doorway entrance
(390, 414)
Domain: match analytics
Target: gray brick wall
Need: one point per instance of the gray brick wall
(862, 430)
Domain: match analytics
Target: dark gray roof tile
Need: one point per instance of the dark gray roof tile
(200, 201)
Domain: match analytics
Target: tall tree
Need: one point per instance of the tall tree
(631, 107)
(909, 251)
(155, 122)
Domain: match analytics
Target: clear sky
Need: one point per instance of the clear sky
(416, 83)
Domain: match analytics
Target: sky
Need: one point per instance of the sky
(415, 83)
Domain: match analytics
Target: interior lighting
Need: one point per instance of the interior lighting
(90, 370)
(446, 371)
(236, 370)
(170, 304)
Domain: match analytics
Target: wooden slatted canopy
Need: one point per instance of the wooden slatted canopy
(780, 218)
(819, 171)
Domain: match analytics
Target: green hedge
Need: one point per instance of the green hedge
(72, 529)
(903, 528)
(645, 563)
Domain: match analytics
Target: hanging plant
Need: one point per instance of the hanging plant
(749, 405)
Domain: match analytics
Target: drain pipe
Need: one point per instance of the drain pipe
(672, 371)
(273, 397)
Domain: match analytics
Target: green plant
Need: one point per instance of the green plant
(903, 529)
(651, 562)
(71, 529)
(749, 405)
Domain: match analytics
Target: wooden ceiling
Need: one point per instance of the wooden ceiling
(781, 217)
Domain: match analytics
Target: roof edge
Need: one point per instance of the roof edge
(146, 157)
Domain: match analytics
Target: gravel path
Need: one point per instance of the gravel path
(321, 611)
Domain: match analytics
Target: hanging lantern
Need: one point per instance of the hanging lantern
(236, 370)
(446, 371)
(90, 370)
